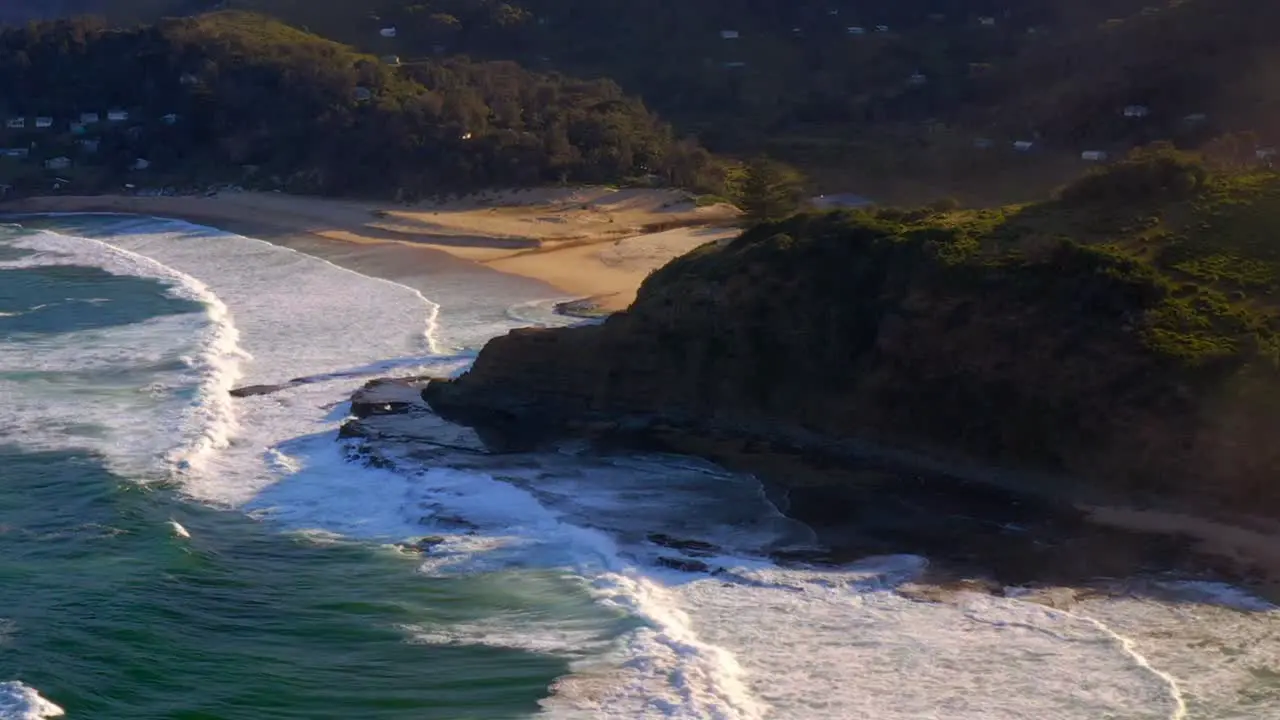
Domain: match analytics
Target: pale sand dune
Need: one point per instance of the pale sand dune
(589, 242)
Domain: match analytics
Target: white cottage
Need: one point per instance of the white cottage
(728, 34)
(140, 164)
(1093, 155)
(18, 153)
(15, 123)
(855, 30)
(118, 115)
(987, 20)
(362, 94)
(1023, 145)
(58, 163)
(169, 119)
(882, 28)
(89, 118)
(188, 79)
(89, 146)
(44, 122)
(917, 78)
(387, 32)
(1136, 111)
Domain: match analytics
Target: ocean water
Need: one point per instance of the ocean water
(167, 551)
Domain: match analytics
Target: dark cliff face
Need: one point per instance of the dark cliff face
(838, 331)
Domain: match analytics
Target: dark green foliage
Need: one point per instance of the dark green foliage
(1153, 174)
(770, 191)
(795, 69)
(288, 109)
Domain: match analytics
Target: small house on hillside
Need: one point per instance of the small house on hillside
(392, 60)
(1023, 145)
(44, 122)
(1093, 155)
(1266, 153)
(188, 79)
(140, 164)
(17, 153)
(983, 143)
(15, 123)
(89, 118)
(1196, 118)
(117, 116)
(882, 28)
(387, 32)
(917, 78)
(728, 34)
(169, 119)
(89, 146)
(855, 30)
(362, 94)
(1136, 111)
(987, 21)
(59, 163)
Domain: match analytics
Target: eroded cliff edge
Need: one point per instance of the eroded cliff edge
(1119, 342)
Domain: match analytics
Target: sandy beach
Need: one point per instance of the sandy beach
(593, 243)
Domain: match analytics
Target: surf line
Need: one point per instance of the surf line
(1127, 645)
(220, 356)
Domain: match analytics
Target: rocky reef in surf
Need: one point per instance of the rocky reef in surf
(1118, 342)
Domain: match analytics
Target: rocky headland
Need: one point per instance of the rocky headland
(1114, 346)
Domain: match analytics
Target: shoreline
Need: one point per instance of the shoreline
(418, 263)
(593, 245)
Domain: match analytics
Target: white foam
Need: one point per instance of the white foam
(210, 422)
(22, 702)
(296, 315)
(1223, 657)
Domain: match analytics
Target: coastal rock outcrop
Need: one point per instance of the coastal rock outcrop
(1085, 348)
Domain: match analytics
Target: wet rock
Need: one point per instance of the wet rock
(684, 564)
(691, 547)
(252, 390)
(422, 544)
(387, 396)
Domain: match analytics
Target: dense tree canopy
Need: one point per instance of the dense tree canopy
(257, 96)
(1059, 68)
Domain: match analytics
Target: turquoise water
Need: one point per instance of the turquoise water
(110, 614)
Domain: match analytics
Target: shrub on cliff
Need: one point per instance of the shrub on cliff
(770, 191)
(1156, 173)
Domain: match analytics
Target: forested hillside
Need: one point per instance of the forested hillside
(18, 12)
(859, 93)
(812, 62)
(923, 87)
(234, 94)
